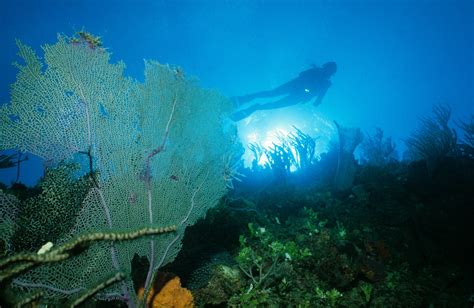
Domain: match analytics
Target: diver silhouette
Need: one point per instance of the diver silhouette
(311, 83)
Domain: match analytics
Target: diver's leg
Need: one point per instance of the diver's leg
(281, 90)
(242, 114)
(240, 100)
(284, 102)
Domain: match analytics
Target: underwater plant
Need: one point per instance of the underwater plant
(262, 256)
(304, 146)
(280, 159)
(377, 150)
(434, 139)
(468, 131)
(148, 151)
(466, 145)
(49, 215)
(293, 152)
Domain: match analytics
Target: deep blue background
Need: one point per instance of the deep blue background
(395, 58)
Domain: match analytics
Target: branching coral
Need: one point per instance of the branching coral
(434, 139)
(51, 214)
(14, 265)
(304, 146)
(148, 150)
(377, 150)
(295, 151)
(468, 130)
(467, 142)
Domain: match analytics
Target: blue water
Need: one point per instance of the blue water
(395, 58)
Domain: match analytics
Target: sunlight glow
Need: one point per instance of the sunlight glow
(273, 136)
(251, 138)
(266, 128)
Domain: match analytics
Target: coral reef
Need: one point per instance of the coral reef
(49, 215)
(349, 139)
(434, 139)
(377, 150)
(397, 238)
(171, 295)
(466, 145)
(141, 163)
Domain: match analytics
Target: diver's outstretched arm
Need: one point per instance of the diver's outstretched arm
(320, 97)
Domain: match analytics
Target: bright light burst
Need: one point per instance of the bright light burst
(267, 128)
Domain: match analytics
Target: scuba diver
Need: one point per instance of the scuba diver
(311, 83)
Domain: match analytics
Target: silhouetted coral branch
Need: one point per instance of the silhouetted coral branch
(377, 150)
(19, 263)
(434, 139)
(89, 293)
(468, 131)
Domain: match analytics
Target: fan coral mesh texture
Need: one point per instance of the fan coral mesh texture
(151, 149)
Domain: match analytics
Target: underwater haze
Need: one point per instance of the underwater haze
(395, 58)
(237, 153)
